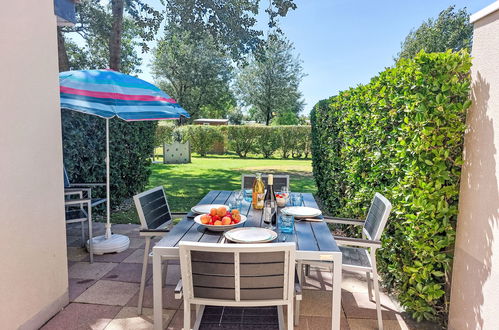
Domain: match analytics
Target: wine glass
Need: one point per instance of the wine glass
(285, 191)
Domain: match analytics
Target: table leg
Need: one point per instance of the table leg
(157, 290)
(336, 312)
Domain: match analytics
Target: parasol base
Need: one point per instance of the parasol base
(114, 244)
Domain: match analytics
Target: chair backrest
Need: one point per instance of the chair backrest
(152, 208)
(237, 273)
(67, 183)
(377, 216)
(279, 181)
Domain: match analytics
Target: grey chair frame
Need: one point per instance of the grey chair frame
(84, 188)
(366, 246)
(245, 184)
(230, 262)
(150, 233)
(82, 215)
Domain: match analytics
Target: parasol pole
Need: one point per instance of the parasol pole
(108, 191)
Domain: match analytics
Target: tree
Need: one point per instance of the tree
(451, 30)
(269, 84)
(195, 72)
(230, 22)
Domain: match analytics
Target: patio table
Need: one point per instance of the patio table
(314, 242)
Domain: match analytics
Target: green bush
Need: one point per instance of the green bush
(401, 135)
(130, 143)
(241, 139)
(267, 141)
(202, 137)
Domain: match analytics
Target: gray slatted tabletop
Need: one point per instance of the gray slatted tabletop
(314, 242)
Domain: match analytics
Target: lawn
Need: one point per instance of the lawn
(186, 184)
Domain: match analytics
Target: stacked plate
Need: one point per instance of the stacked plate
(301, 211)
(250, 235)
(205, 208)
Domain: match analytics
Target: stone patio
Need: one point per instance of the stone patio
(104, 295)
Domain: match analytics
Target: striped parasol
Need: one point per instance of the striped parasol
(109, 94)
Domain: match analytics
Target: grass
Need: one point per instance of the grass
(186, 184)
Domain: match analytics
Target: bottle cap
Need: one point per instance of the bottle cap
(271, 179)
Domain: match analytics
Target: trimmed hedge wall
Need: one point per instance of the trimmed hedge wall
(267, 141)
(401, 135)
(131, 145)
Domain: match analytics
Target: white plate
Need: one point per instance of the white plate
(205, 208)
(301, 211)
(251, 235)
(219, 228)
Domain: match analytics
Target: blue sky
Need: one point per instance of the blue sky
(343, 43)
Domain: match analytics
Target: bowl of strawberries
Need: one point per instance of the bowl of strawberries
(220, 219)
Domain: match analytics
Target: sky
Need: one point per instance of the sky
(343, 43)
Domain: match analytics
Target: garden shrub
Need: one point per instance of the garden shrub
(130, 144)
(401, 135)
(241, 139)
(202, 137)
(267, 141)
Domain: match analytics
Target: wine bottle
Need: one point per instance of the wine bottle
(258, 192)
(270, 196)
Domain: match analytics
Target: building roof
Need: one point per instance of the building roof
(209, 120)
(493, 7)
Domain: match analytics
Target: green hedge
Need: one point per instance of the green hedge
(266, 141)
(401, 135)
(131, 146)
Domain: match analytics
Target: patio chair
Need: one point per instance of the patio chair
(237, 275)
(76, 212)
(155, 220)
(360, 253)
(280, 180)
(85, 188)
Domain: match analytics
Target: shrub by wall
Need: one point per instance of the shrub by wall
(242, 139)
(131, 145)
(401, 135)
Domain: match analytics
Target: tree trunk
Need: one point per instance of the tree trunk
(115, 40)
(267, 120)
(62, 53)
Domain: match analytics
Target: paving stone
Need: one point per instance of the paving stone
(124, 229)
(169, 300)
(127, 273)
(74, 241)
(109, 293)
(321, 323)
(86, 270)
(78, 286)
(316, 303)
(76, 253)
(137, 242)
(127, 319)
(369, 324)
(111, 257)
(137, 257)
(354, 282)
(82, 316)
(318, 280)
(358, 306)
(172, 274)
(177, 322)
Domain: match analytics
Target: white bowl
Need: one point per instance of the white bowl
(197, 219)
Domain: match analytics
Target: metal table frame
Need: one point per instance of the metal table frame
(314, 241)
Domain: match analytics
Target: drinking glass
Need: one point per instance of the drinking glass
(286, 223)
(248, 195)
(285, 191)
(238, 199)
(296, 199)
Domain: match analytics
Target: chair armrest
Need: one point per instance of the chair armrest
(357, 242)
(344, 221)
(73, 192)
(179, 213)
(178, 290)
(157, 230)
(88, 185)
(77, 201)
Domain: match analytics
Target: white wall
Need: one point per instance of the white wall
(475, 281)
(33, 266)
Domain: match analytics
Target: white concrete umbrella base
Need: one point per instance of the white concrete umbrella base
(115, 243)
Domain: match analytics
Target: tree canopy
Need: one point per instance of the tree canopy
(195, 72)
(450, 30)
(269, 84)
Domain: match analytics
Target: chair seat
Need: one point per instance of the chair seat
(355, 258)
(77, 215)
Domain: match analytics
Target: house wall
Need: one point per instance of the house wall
(475, 283)
(33, 264)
